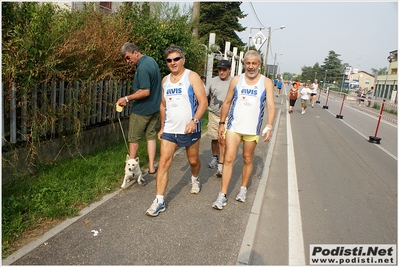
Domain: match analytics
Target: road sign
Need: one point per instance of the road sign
(259, 39)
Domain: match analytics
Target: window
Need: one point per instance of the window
(106, 7)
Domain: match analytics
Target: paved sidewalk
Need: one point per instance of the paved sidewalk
(116, 231)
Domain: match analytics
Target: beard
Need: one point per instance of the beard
(252, 73)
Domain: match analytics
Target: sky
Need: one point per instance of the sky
(361, 32)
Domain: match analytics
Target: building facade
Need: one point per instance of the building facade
(386, 86)
(106, 7)
(362, 79)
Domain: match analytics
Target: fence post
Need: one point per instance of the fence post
(69, 106)
(328, 95)
(375, 139)
(100, 100)
(3, 132)
(13, 115)
(24, 115)
(61, 108)
(340, 116)
(318, 99)
(53, 106)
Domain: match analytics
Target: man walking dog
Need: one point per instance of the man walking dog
(146, 100)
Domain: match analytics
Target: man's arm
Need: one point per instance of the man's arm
(139, 94)
(271, 110)
(226, 105)
(199, 91)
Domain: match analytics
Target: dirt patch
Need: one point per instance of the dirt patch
(32, 234)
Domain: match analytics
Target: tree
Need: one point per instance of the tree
(333, 66)
(221, 18)
(380, 71)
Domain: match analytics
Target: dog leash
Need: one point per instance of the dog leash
(119, 109)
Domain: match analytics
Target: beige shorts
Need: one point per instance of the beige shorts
(304, 102)
(213, 125)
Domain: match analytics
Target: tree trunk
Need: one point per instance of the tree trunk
(195, 18)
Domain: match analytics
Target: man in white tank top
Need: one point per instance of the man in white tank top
(182, 106)
(244, 106)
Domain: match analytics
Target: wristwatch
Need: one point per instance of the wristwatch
(221, 122)
(195, 120)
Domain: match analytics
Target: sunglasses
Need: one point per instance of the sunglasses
(169, 60)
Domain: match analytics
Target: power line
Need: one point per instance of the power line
(256, 16)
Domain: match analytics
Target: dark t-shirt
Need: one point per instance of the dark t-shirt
(147, 76)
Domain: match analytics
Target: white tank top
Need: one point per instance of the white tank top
(181, 104)
(247, 108)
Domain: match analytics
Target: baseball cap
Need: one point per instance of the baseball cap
(224, 64)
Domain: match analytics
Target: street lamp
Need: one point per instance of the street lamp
(390, 59)
(206, 58)
(274, 64)
(268, 45)
(216, 49)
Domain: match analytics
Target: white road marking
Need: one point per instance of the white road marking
(365, 137)
(296, 251)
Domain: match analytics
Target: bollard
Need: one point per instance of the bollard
(325, 106)
(340, 116)
(375, 139)
(318, 99)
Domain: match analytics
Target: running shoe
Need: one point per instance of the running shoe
(219, 172)
(242, 195)
(195, 186)
(155, 208)
(220, 202)
(213, 163)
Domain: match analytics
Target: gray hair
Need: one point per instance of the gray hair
(174, 48)
(251, 53)
(129, 47)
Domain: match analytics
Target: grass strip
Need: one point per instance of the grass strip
(62, 188)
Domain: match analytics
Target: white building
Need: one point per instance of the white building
(107, 7)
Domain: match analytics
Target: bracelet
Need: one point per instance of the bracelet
(221, 122)
(127, 100)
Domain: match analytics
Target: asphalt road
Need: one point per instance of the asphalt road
(346, 186)
(318, 181)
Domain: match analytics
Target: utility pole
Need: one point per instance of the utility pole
(195, 17)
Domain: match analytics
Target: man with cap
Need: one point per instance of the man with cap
(216, 91)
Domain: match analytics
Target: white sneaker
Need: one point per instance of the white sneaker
(242, 195)
(219, 172)
(220, 202)
(195, 186)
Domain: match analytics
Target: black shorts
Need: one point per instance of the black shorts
(292, 102)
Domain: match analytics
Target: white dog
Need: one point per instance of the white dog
(132, 169)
